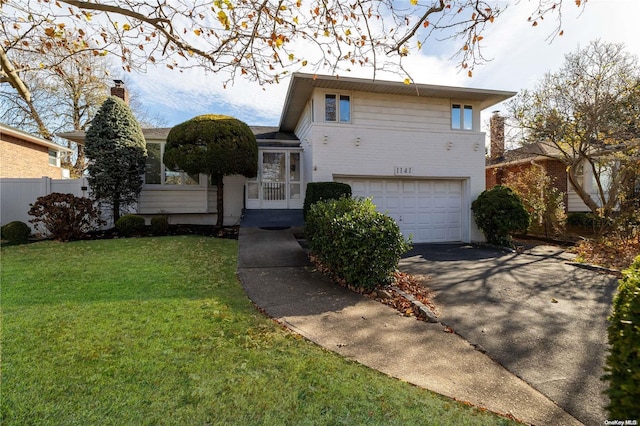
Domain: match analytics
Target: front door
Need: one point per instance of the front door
(279, 181)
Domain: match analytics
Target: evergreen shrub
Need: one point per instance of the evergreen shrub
(15, 232)
(498, 212)
(623, 362)
(159, 225)
(130, 224)
(65, 216)
(317, 191)
(355, 242)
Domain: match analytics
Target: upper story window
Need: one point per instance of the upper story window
(337, 108)
(156, 173)
(461, 117)
(54, 158)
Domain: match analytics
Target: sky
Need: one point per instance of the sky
(520, 56)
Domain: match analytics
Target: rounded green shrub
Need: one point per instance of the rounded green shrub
(15, 232)
(355, 242)
(317, 191)
(498, 212)
(623, 362)
(130, 224)
(159, 225)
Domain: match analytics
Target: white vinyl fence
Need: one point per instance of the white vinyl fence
(16, 196)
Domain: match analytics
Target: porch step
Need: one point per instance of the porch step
(271, 218)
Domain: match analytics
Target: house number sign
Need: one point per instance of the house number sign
(402, 171)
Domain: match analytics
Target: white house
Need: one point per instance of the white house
(416, 149)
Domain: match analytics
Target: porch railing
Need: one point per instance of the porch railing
(274, 191)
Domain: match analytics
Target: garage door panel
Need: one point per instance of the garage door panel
(428, 210)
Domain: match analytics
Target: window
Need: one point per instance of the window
(53, 158)
(461, 117)
(337, 108)
(156, 173)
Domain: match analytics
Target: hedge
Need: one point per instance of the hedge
(355, 242)
(15, 232)
(498, 212)
(623, 362)
(317, 191)
(130, 224)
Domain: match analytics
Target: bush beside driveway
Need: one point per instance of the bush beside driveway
(542, 319)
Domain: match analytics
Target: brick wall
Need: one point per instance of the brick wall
(22, 159)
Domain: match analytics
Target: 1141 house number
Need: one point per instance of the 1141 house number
(403, 171)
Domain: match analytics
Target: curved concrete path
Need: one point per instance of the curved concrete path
(276, 275)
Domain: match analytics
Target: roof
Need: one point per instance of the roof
(526, 153)
(302, 85)
(19, 134)
(262, 133)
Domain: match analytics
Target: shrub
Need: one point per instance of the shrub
(130, 224)
(15, 232)
(159, 225)
(623, 362)
(542, 199)
(355, 242)
(65, 216)
(582, 220)
(317, 191)
(498, 212)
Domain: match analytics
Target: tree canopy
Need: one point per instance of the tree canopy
(116, 149)
(587, 115)
(216, 145)
(259, 40)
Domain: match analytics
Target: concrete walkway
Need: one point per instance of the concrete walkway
(275, 273)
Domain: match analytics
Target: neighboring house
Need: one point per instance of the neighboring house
(501, 163)
(416, 149)
(23, 155)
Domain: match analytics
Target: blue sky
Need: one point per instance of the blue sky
(520, 54)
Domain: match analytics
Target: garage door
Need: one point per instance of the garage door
(429, 210)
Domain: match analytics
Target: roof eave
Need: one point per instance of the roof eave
(33, 139)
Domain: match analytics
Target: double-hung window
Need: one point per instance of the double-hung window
(461, 117)
(156, 173)
(54, 158)
(337, 108)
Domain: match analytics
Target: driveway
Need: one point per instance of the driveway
(542, 319)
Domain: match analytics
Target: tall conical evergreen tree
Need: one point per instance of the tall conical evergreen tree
(116, 150)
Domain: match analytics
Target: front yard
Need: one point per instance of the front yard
(159, 331)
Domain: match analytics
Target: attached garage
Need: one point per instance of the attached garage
(430, 210)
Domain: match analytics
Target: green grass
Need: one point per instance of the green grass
(156, 331)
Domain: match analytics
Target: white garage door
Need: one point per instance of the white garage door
(429, 210)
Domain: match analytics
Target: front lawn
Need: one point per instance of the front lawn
(158, 331)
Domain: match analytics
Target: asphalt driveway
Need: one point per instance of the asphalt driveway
(542, 319)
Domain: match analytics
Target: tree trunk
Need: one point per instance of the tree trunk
(116, 209)
(220, 200)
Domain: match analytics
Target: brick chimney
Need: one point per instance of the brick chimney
(497, 136)
(120, 91)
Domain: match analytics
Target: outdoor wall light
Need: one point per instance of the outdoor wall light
(449, 145)
(476, 146)
(358, 141)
